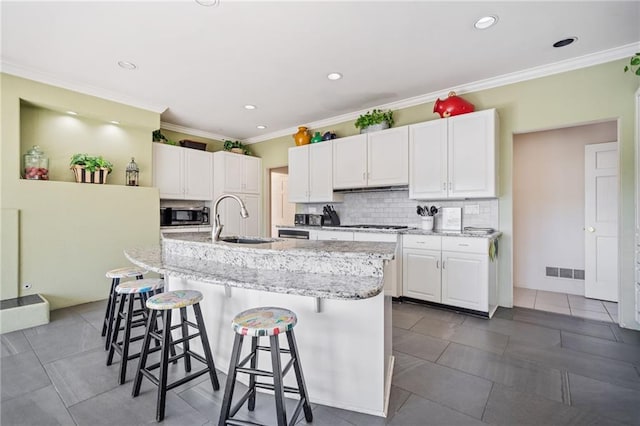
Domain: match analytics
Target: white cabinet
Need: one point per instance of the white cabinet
(454, 271)
(311, 174)
(393, 270)
(236, 173)
(334, 235)
(454, 157)
(182, 173)
(233, 223)
(371, 159)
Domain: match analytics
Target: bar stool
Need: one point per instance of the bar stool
(257, 322)
(165, 302)
(116, 275)
(128, 291)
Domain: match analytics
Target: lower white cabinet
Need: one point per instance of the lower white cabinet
(393, 271)
(334, 235)
(234, 223)
(454, 271)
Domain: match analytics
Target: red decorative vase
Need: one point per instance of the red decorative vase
(453, 105)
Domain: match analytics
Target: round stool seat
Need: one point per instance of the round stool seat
(265, 321)
(140, 286)
(126, 272)
(174, 299)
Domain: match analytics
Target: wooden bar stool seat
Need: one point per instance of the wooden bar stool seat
(256, 323)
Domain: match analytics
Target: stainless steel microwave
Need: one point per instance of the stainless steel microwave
(176, 216)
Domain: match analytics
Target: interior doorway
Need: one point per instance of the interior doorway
(550, 234)
(282, 211)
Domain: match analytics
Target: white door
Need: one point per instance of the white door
(233, 174)
(428, 160)
(601, 221)
(421, 274)
(250, 226)
(321, 172)
(198, 175)
(464, 280)
(388, 157)
(251, 175)
(350, 162)
(282, 211)
(168, 171)
(299, 173)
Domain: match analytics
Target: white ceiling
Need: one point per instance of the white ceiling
(203, 64)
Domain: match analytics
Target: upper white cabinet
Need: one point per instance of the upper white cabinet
(371, 159)
(454, 157)
(236, 173)
(311, 174)
(182, 173)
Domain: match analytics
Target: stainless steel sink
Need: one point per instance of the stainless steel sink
(248, 240)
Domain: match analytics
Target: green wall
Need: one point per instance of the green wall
(70, 234)
(602, 92)
(212, 144)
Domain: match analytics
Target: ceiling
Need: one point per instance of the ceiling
(200, 65)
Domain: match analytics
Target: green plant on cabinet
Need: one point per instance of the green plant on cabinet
(236, 146)
(374, 117)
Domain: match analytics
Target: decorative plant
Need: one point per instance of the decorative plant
(374, 117)
(90, 162)
(229, 145)
(634, 62)
(159, 137)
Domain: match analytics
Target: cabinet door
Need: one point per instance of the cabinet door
(168, 171)
(320, 172)
(299, 174)
(233, 173)
(198, 175)
(388, 157)
(250, 226)
(229, 211)
(251, 171)
(421, 274)
(350, 162)
(465, 280)
(428, 160)
(334, 236)
(472, 155)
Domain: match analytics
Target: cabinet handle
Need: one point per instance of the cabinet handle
(443, 264)
(444, 186)
(364, 175)
(449, 186)
(437, 264)
(463, 245)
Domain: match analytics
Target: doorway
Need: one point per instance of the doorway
(550, 235)
(281, 211)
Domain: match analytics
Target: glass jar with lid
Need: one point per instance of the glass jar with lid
(36, 164)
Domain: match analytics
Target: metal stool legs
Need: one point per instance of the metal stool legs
(107, 326)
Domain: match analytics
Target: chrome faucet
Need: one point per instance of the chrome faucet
(218, 226)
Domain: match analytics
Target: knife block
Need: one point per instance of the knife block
(331, 219)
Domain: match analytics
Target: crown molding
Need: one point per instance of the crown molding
(48, 78)
(490, 83)
(194, 132)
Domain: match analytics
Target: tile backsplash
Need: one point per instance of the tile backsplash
(395, 208)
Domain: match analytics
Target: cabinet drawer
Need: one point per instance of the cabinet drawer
(422, 242)
(375, 236)
(335, 236)
(466, 245)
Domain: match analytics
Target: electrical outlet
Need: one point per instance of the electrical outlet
(26, 286)
(472, 209)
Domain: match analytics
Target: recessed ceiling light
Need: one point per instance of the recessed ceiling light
(249, 106)
(261, 126)
(565, 42)
(334, 76)
(208, 2)
(485, 22)
(114, 122)
(72, 113)
(127, 65)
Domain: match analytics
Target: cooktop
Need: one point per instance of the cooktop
(375, 226)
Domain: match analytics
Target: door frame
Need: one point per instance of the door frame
(269, 196)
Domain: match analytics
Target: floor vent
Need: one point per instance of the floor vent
(553, 271)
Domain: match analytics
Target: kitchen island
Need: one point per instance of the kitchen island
(334, 287)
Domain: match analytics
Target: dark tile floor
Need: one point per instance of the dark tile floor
(521, 367)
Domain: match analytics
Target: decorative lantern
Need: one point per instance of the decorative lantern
(132, 172)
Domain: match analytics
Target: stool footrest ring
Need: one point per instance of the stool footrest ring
(269, 386)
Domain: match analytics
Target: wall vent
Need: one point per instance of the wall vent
(578, 274)
(552, 271)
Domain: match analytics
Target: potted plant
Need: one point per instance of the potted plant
(374, 120)
(159, 137)
(90, 169)
(634, 62)
(235, 146)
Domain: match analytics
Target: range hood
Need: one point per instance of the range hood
(373, 189)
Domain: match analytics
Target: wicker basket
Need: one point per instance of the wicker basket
(85, 176)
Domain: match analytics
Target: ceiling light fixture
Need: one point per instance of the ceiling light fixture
(208, 2)
(565, 42)
(334, 76)
(127, 65)
(249, 106)
(72, 113)
(486, 22)
(114, 122)
(261, 126)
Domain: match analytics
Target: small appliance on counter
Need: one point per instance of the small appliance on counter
(177, 216)
(330, 216)
(300, 219)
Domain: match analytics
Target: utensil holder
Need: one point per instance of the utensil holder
(427, 223)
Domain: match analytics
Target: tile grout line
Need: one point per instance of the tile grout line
(566, 390)
(484, 410)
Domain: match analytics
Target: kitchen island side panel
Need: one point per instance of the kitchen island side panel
(344, 349)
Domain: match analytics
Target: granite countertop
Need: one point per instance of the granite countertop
(325, 286)
(409, 231)
(325, 269)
